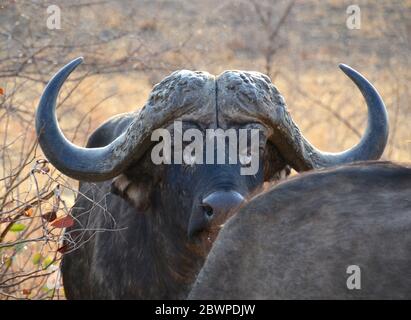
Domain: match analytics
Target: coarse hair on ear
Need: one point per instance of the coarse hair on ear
(137, 193)
(275, 167)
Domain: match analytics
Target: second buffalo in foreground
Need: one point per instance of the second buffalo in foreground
(341, 233)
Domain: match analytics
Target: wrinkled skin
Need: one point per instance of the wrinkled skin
(150, 256)
(297, 240)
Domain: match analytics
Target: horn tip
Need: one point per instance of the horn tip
(78, 60)
(350, 72)
(344, 67)
(68, 68)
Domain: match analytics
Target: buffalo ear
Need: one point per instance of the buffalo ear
(275, 167)
(136, 193)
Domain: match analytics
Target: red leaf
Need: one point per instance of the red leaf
(63, 249)
(28, 212)
(1, 91)
(64, 222)
(26, 292)
(50, 216)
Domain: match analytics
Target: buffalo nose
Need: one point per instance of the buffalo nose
(221, 202)
(216, 204)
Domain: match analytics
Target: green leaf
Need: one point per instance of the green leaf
(37, 257)
(45, 288)
(8, 262)
(18, 247)
(50, 293)
(47, 262)
(17, 227)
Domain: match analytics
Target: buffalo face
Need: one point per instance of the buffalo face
(197, 197)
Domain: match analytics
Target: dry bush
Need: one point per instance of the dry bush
(35, 200)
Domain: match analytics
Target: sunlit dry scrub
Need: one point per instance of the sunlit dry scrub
(129, 46)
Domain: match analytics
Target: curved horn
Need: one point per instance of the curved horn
(165, 104)
(302, 155)
(94, 164)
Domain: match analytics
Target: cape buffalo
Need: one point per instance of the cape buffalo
(143, 230)
(342, 233)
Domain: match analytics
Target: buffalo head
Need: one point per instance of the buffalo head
(193, 197)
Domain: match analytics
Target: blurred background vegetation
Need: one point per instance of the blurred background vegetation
(129, 45)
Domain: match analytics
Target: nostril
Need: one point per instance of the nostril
(208, 210)
(221, 202)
